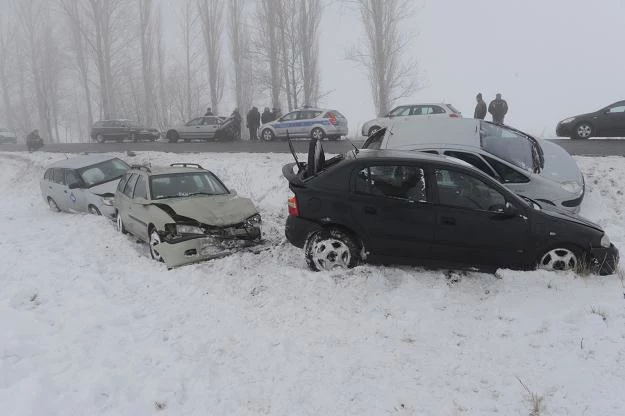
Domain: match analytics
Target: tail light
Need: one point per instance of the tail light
(293, 208)
(332, 118)
(454, 115)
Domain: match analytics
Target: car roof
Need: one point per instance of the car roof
(429, 103)
(166, 170)
(416, 130)
(399, 155)
(81, 161)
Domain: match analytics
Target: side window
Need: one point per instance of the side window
(460, 190)
(308, 114)
(72, 177)
(140, 189)
(48, 175)
(506, 173)
(472, 159)
(59, 176)
(130, 185)
(437, 109)
(617, 109)
(122, 182)
(426, 110)
(403, 182)
(290, 116)
(195, 122)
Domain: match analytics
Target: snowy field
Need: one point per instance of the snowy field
(90, 325)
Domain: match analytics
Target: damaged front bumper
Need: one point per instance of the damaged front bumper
(604, 261)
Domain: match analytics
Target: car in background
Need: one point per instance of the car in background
(405, 112)
(120, 130)
(536, 168)
(306, 122)
(201, 128)
(83, 184)
(607, 122)
(385, 206)
(185, 213)
(7, 136)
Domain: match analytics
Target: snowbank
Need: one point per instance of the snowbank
(92, 326)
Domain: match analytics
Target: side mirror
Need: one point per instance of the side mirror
(510, 210)
(74, 185)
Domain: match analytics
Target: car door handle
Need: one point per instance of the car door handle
(448, 220)
(371, 210)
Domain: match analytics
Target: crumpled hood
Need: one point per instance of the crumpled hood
(105, 188)
(216, 210)
(559, 165)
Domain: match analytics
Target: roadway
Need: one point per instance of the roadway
(593, 147)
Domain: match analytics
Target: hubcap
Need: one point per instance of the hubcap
(560, 259)
(100, 139)
(330, 254)
(155, 240)
(267, 135)
(584, 130)
(317, 134)
(120, 225)
(52, 205)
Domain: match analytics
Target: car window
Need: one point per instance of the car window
(209, 121)
(472, 159)
(103, 172)
(130, 185)
(122, 183)
(508, 145)
(505, 172)
(72, 177)
(437, 109)
(426, 109)
(140, 190)
(290, 116)
(460, 190)
(403, 182)
(453, 109)
(400, 111)
(195, 122)
(617, 109)
(59, 176)
(48, 175)
(98, 124)
(308, 114)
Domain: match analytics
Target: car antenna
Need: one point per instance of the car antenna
(356, 150)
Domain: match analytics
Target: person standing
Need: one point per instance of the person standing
(480, 108)
(253, 122)
(267, 116)
(498, 108)
(237, 123)
(209, 112)
(34, 140)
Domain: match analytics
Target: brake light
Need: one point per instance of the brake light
(332, 118)
(454, 115)
(293, 208)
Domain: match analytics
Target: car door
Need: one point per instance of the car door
(209, 127)
(191, 129)
(60, 192)
(287, 122)
(123, 202)
(77, 197)
(473, 227)
(137, 210)
(612, 122)
(391, 203)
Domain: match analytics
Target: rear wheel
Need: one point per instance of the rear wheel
(99, 138)
(155, 240)
(583, 131)
(331, 249)
(53, 206)
(317, 133)
(267, 135)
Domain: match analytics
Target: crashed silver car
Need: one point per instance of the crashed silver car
(185, 213)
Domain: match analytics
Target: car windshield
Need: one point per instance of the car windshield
(103, 172)
(400, 111)
(177, 185)
(511, 146)
(132, 124)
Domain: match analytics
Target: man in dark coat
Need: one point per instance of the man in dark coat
(276, 113)
(253, 123)
(498, 108)
(209, 112)
(480, 108)
(33, 140)
(237, 123)
(267, 116)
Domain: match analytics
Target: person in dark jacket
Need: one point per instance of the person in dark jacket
(209, 112)
(276, 113)
(34, 140)
(237, 123)
(480, 108)
(267, 116)
(253, 123)
(498, 108)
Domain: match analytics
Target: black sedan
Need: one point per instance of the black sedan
(385, 206)
(607, 122)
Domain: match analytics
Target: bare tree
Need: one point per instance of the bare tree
(160, 60)
(310, 12)
(239, 44)
(148, 45)
(7, 40)
(211, 15)
(391, 76)
(267, 48)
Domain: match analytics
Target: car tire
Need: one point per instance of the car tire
(267, 135)
(583, 131)
(94, 210)
(562, 257)
(172, 136)
(119, 224)
(317, 133)
(330, 249)
(99, 138)
(372, 130)
(53, 205)
(155, 239)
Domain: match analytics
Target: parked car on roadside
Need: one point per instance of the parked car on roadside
(606, 122)
(120, 130)
(83, 184)
(185, 213)
(200, 128)
(406, 112)
(306, 122)
(536, 168)
(384, 206)
(7, 136)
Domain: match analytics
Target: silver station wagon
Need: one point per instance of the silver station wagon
(83, 184)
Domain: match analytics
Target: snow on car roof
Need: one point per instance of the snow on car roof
(81, 161)
(416, 130)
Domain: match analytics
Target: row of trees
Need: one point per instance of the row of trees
(65, 63)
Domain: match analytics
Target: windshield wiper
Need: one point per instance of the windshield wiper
(202, 193)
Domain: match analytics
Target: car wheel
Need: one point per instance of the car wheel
(317, 133)
(94, 210)
(583, 131)
(119, 224)
(561, 258)
(372, 130)
(331, 249)
(172, 136)
(99, 138)
(267, 135)
(53, 206)
(155, 240)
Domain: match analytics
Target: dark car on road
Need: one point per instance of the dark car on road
(607, 122)
(7, 136)
(383, 206)
(120, 130)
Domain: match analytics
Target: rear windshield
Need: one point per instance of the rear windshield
(509, 146)
(336, 113)
(452, 108)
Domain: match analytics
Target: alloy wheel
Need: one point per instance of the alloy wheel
(583, 131)
(155, 240)
(331, 253)
(559, 259)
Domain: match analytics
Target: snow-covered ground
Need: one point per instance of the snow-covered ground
(90, 325)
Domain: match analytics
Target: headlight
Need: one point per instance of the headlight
(254, 220)
(568, 120)
(571, 186)
(605, 241)
(188, 229)
(108, 201)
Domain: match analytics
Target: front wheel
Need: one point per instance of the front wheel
(94, 210)
(563, 258)
(155, 240)
(331, 249)
(317, 133)
(583, 131)
(53, 206)
(267, 135)
(99, 138)
(120, 224)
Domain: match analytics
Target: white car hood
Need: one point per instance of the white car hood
(105, 188)
(559, 164)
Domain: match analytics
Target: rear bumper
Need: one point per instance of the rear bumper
(298, 229)
(604, 260)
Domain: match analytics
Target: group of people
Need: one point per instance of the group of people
(498, 108)
(254, 119)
